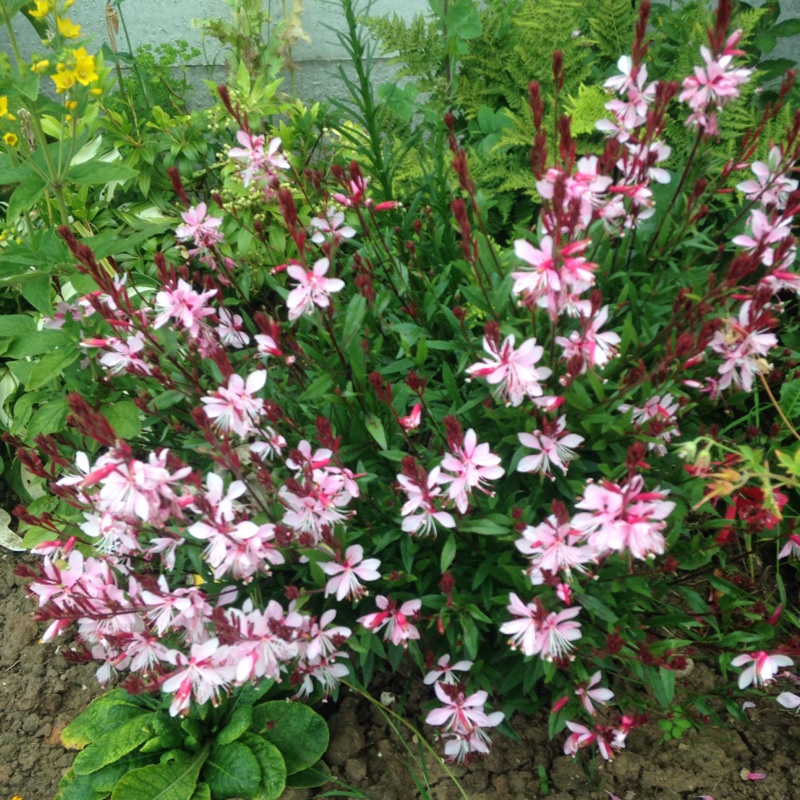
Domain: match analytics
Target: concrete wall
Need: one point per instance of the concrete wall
(156, 21)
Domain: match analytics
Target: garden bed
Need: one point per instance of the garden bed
(40, 693)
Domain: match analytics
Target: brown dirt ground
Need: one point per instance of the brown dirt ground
(40, 692)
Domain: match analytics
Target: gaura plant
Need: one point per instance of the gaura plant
(332, 393)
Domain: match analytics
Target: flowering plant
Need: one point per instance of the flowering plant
(373, 397)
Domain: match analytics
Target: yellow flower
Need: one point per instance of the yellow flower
(64, 79)
(43, 8)
(11, 139)
(40, 66)
(96, 91)
(67, 28)
(3, 105)
(84, 67)
(71, 105)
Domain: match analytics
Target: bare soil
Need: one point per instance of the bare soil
(40, 692)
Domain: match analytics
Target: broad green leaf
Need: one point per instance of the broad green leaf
(596, 607)
(376, 431)
(789, 27)
(167, 399)
(50, 418)
(36, 291)
(316, 775)
(24, 197)
(239, 722)
(16, 325)
(202, 792)
(124, 419)
(273, 767)
(172, 780)
(353, 319)
(34, 343)
(99, 785)
(50, 366)
(104, 714)
(790, 399)
(115, 744)
(232, 770)
(296, 730)
(96, 171)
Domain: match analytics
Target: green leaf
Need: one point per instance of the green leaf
(96, 171)
(99, 785)
(124, 419)
(202, 792)
(113, 745)
(376, 431)
(448, 553)
(172, 780)
(16, 325)
(24, 197)
(232, 770)
(50, 366)
(167, 399)
(239, 722)
(50, 418)
(790, 399)
(316, 775)
(485, 527)
(104, 714)
(789, 27)
(353, 319)
(296, 730)
(36, 343)
(273, 767)
(597, 608)
(36, 291)
(663, 683)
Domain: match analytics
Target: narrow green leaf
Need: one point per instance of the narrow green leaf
(99, 172)
(376, 431)
(448, 553)
(50, 366)
(353, 319)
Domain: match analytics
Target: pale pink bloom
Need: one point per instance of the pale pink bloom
(765, 234)
(115, 534)
(230, 330)
(357, 196)
(313, 288)
(223, 501)
(167, 546)
(554, 447)
(165, 605)
(743, 350)
(638, 164)
(322, 637)
(332, 225)
(235, 409)
(553, 546)
(326, 671)
(412, 421)
(564, 593)
(713, 86)
(792, 547)
(258, 162)
(324, 494)
(584, 187)
(202, 229)
(458, 747)
(592, 348)
(123, 356)
(318, 459)
(763, 667)
(201, 676)
(446, 672)
(399, 629)
(660, 409)
(771, 187)
(524, 628)
(789, 700)
(346, 577)
(460, 713)
(271, 443)
(470, 467)
(512, 371)
(631, 84)
(421, 500)
(557, 633)
(183, 305)
(145, 651)
(590, 695)
(579, 738)
(62, 311)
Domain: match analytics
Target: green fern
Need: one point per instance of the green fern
(612, 27)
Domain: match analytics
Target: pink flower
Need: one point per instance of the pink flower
(259, 163)
(554, 447)
(331, 224)
(313, 288)
(771, 187)
(412, 421)
(789, 700)
(399, 629)
(471, 465)
(345, 580)
(199, 227)
(460, 713)
(763, 667)
(446, 672)
(743, 348)
(589, 696)
(230, 330)
(124, 356)
(553, 547)
(202, 676)
(579, 738)
(234, 409)
(765, 234)
(539, 632)
(422, 490)
(184, 305)
(513, 371)
(590, 348)
(792, 547)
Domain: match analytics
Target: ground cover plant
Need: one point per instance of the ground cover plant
(331, 430)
